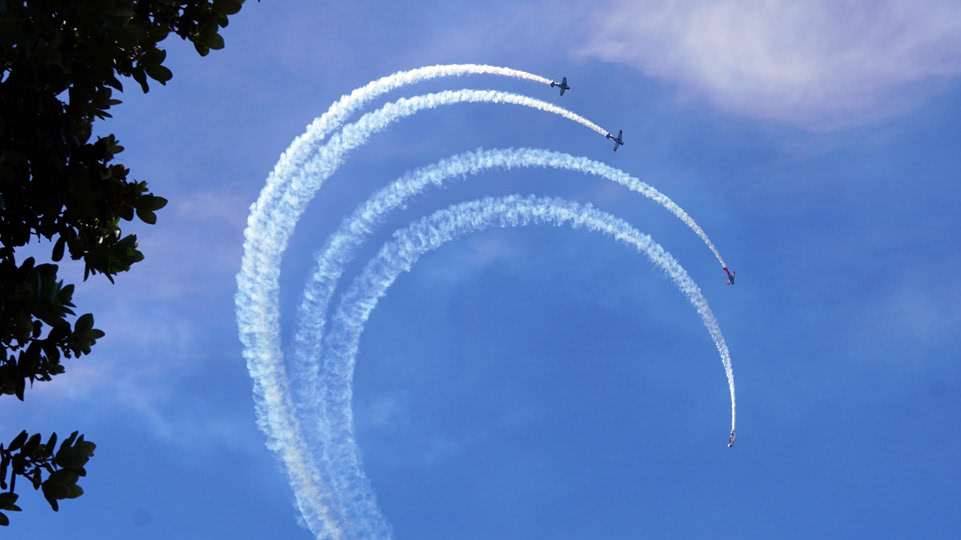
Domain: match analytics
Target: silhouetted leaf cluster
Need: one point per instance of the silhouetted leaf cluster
(28, 458)
(62, 64)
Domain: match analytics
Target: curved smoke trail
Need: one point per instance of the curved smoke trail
(289, 165)
(269, 227)
(289, 187)
(353, 231)
(348, 484)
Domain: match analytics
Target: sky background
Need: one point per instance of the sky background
(543, 382)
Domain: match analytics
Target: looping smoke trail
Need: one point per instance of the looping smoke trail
(353, 231)
(341, 462)
(327, 510)
(269, 227)
(289, 166)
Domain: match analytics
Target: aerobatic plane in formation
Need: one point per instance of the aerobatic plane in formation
(730, 442)
(730, 276)
(617, 140)
(562, 85)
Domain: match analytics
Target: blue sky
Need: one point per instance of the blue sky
(541, 381)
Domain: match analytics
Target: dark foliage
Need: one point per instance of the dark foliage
(62, 63)
(26, 457)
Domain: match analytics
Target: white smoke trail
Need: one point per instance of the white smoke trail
(289, 166)
(297, 174)
(353, 231)
(269, 227)
(348, 483)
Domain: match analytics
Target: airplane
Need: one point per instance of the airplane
(617, 140)
(730, 276)
(730, 442)
(562, 85)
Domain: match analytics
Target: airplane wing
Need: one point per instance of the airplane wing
(564, 81)
(562, 90)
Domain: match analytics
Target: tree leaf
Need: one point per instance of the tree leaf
(84, 323)
(215, 41)
(50, 498)
(18, 441)
(159, 73)
(62, 478)
(227, 7)
(147, 216)
(68, 442)
(4, 463)
(58, 248)
(51, 444)
(32, 444)
(141, 77)
(201, 48)
(153, 202)
(6, 499)
(73, 491)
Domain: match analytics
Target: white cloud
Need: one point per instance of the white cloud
(464, 260)
(384, 412)
(143, 371)
(925, 315)
(194, 250)
(821, 64)
(223, 208)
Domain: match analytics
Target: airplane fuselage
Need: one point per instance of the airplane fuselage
(562, 85)
(618, 141)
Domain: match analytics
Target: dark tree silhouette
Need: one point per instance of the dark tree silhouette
(61, 64)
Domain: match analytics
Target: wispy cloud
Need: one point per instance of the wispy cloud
(467, 260)
(387, 411)
(146, 371)
(192, 251)
(922, 314)
(223, 208)
(820, 64)
(160, 339)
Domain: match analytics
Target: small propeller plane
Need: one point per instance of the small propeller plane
(730, 442)
(562, 85)
(617, 140)
(730, 276)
